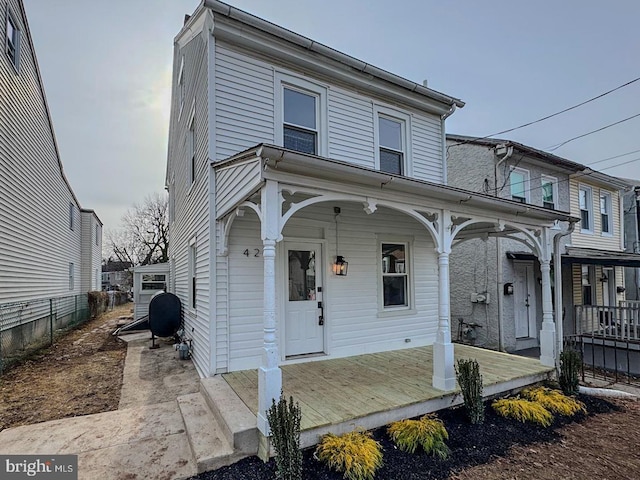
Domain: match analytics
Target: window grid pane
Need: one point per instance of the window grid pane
(390, 133)
(394, 275)
(299, 109)
(300, 140)
(390, 162)
(517, 186)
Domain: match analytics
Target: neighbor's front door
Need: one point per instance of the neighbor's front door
(304, 325)
(524, 298)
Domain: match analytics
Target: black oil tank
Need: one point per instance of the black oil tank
(165, 314)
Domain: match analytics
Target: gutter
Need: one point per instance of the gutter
(313, 46)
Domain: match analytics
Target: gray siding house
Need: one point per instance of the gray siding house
(50, 247)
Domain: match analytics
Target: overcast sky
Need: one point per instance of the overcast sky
(106, 67)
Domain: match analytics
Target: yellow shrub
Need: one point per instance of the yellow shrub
(554, 400)
(523, 410)
(355, 454)
(428, 432)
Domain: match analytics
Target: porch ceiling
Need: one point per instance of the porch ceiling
(264, 162)
(332, 392)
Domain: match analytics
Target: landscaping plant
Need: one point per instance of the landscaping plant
(570, 366)
(470, 381)
(429, 432)
(284, 420)
(523, 410)
(554, 401)
(355, 454)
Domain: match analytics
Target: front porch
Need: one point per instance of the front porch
(372, 390)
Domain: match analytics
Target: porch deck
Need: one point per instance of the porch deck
(374, 389)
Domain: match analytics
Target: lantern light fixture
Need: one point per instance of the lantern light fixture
(340, 266)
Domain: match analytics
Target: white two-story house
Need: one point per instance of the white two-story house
(310, 215)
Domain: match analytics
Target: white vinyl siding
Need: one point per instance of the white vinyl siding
(588, 239)
(352, 316)
(36, 241)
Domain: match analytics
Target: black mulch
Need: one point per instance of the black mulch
(470, 445)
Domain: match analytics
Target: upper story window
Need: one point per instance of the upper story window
(519, 184)
(301, 115)
(181, 92)
(191, 149)
(392, 141)
(12, 40)
(300, 127)
(97, 233)
(72, 210)
(585, 199)
(395, 275)
(605, 213)
(549, 192)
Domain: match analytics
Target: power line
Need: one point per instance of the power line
(551, 149)
(549, 116)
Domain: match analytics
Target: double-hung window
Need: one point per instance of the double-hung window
(549, 195)
(585, 199)
(191, 149)
(588, 274)
(519, 185)
(12, 40)
(300, 128)
(391, 144)
(192, 274)
(395, 275)
(605, 213)
(72, 211)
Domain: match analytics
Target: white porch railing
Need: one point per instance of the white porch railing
(619, 323)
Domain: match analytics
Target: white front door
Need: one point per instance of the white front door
(304, 324)
(524, 298)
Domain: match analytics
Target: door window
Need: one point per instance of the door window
(302, 275)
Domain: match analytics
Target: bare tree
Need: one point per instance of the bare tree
(143, 238)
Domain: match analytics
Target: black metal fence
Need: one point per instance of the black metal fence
(33, 324)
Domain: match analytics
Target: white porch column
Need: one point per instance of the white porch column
(444, 377)
(269, 373)
(548, 332)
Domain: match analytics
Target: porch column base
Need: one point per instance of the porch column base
(264, 447)
(444, 377)
(269, 389)
(547, 344)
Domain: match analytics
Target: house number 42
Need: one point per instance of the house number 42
(256, 252)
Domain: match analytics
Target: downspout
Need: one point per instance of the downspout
(557, 274)
(499, 267)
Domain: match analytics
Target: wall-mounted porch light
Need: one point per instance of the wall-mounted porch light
(340, 266)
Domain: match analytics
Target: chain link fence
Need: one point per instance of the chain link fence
(33, 324)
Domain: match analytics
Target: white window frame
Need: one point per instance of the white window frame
(72, 214)
(71, 275)
(191, 144)
(588, 208)
(405, 121)
(192, 257)
(181, 87)
(285, 80)
(14, 43)
(527, 183)
(409, 272)
(609, 203)
(554, 189)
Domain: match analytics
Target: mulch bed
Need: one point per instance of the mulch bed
(470, 445)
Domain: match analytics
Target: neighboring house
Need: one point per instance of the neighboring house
(592, 255)
(117, 275)
(50, 247)
(631, 206)
(309, 212)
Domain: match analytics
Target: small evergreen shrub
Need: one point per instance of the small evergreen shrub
(284, 420)
(523, 410)
(570, 366)
(355, 454)
(429, 432)
(470, 381)
(554, 401)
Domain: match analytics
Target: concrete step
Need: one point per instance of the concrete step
(239, 424)
(210, 448)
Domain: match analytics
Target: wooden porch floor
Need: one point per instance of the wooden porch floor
(338, 391)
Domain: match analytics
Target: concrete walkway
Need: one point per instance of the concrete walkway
(146, 438)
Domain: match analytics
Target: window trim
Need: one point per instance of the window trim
(527, 183)
(192, 287)
(405, 121)
(284, 80)
(554, 189)
(609, 201)
(14, 59)
(181, 87)
(71, 276)
(72, 214)
(410, 308)
(589, 209)
(191, 143)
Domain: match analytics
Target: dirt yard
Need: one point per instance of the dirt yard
(79, 375)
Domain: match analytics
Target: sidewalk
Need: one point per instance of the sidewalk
(144, 439)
